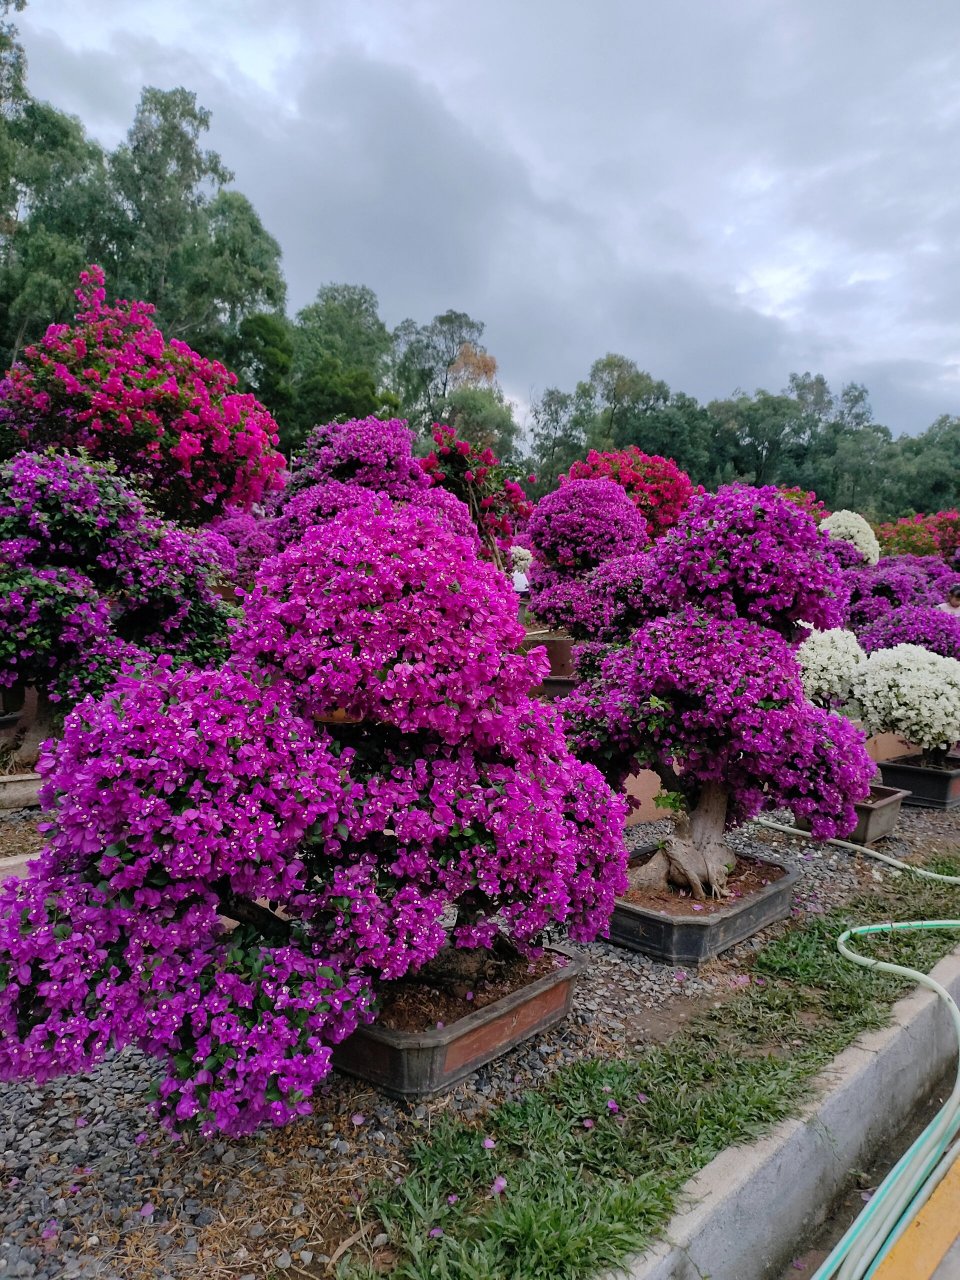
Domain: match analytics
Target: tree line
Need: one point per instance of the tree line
(161, 217)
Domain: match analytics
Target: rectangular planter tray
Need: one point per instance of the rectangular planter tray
(876, 817)
(19, 791)
(419, 1064)
(693, 940)
(929, 788)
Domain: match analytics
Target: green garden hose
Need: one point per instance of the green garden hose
(911, 1182)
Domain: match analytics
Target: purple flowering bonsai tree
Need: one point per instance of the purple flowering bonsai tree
(238, 860)
(707, 690)
(91, 579)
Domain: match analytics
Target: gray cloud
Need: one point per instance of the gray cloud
(725, 193)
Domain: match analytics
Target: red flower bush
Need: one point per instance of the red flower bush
(655, 485)
(933, 535)
(111, 384)
(488, 488)
(806, 500)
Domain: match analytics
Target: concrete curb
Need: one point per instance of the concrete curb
(751, 1206)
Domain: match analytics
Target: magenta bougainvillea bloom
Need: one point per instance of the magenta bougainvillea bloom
(655, 485)
(894, 582)
(236, 863)
(90, 578)
(111, 384)
(924, 625)
(750, 553)
(386, 613)
(241, 541)
(702, 685)
(585, 522)
(373, 453)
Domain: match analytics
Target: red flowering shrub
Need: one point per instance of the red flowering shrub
(488, 487)
(111, 384)
(933, 535)
(656, 486)
(806, 500)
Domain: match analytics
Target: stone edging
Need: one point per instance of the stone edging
(753, 1206)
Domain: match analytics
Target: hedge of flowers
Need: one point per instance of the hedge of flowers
(655, 485)
(111, 384)
(453, 814)
(489, 488)
(923, 625)
(922, 535)
(850, 528)
(90, 578)
(709, 694)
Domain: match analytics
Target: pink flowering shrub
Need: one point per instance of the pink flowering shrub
(704, 687)
(373, 453)
(920, 535)
(487, 487)
(385, 613)
(584, 523)
(90, 578)
(893, 583)
(655, 485)
(806, 500)
(750, 553)
(234, 869)
(111, 384)
(924, 625)
(249, 540)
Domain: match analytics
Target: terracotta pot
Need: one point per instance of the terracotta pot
(691, 940)
(339, 716)
(19, 790)
(559, 649)
(418, 1064)
(927, 788)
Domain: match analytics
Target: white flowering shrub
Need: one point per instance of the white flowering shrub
(911, 692)
(829, 665)
(520, 558)
(847, 526)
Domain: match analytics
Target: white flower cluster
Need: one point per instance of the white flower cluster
(829, 665)
(520, 558)
(847, 526)
(911, 692)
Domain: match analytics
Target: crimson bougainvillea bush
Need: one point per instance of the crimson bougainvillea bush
(111, 384)
(707, 690)
(924, 625)
(806, 500)
(922, 535)
(91, 578)
(656, 486)
(489, 488)
(366, 789)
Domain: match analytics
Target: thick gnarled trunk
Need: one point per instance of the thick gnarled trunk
(695, 856)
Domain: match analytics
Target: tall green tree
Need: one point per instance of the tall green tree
(425, 363)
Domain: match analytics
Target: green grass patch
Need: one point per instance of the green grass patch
(587, 1169)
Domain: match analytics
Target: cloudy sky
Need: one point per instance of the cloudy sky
(723, 190)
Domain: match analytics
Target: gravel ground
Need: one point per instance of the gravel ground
(91, 1188)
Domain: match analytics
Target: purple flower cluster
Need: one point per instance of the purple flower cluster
(242, 541)
(584, 523)
(370, 452)
(921, 624)
(895, 581)
(750, 553)
(89, 577)
(716, 700)
(387, 614)
(369, 762)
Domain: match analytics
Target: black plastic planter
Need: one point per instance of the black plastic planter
(412, 1064)
(692, 940)
(929, 788)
